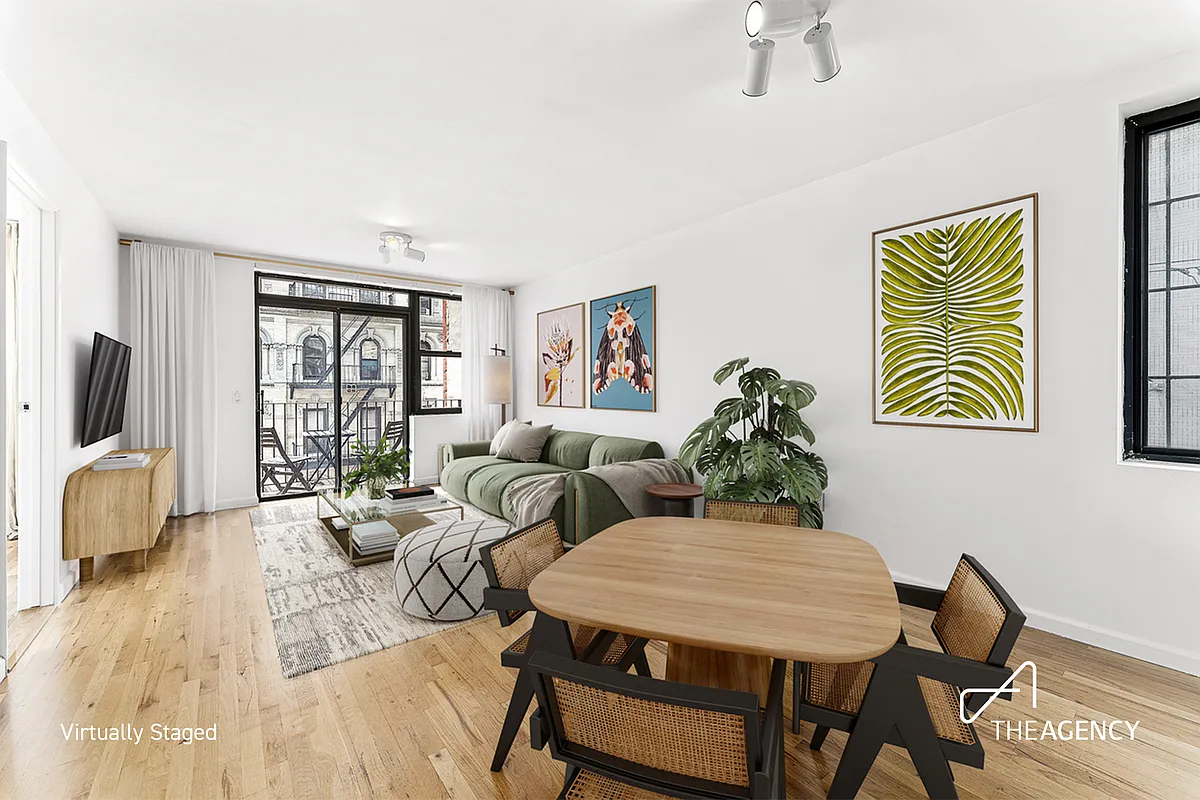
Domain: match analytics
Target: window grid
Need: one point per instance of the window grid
(1162, 329)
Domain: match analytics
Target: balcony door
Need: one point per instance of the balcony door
(331, 372)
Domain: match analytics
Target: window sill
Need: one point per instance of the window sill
(1146, 463)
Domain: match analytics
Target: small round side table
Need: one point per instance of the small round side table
(677, 497)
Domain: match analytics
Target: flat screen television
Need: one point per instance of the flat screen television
(104, 411)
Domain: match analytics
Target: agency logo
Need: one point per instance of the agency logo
(1115, 730)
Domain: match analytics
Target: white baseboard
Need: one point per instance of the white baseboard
(67, 584)
(236, 502)
(429, 480)
(1134, 646)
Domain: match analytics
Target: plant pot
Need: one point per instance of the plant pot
(377, 488)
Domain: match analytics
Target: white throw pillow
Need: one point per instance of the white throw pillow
(498, 439)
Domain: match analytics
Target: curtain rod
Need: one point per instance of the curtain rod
(346, 270)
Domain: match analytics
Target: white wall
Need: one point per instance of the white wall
(87, 301)
(1100, 551)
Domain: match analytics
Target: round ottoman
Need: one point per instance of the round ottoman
(437, 569)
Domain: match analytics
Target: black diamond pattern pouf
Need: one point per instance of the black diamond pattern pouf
(438, 574)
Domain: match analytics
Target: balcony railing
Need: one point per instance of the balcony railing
(306, 431)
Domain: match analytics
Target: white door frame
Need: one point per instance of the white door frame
(41, 554)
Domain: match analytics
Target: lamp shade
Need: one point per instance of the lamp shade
(497, 380)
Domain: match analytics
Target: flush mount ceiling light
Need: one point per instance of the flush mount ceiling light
(397, 242)
(767, 20)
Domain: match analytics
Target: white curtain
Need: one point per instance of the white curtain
(173, 388)
(486, 323)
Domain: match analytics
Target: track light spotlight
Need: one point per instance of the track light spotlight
(397, 242)
(767, 20)
(822, 51)
(758, 67)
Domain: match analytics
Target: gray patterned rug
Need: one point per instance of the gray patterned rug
(323, 610)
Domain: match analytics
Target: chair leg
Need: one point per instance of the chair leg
(518, 704)
(818, 737)
(920, 739)
(641, 666)
(875, 721)
(572, 770)
(796, 697)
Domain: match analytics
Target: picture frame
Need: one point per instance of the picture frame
(562, 357)
(622, 335)
(955, 319)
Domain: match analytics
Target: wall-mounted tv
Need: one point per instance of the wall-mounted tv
(104, 412)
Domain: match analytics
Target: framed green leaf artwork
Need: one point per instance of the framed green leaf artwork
(955, 322)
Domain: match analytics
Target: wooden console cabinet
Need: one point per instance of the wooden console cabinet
(117, 511)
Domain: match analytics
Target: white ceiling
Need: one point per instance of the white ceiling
(515, 138)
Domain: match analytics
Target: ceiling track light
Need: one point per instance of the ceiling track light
(397, 242)
(767, 20)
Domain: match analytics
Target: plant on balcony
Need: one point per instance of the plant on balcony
(377, 467)
(747, 449)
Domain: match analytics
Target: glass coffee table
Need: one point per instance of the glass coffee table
(358, 509)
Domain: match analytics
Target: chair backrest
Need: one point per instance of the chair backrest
(269, 438)
(514, 561)
(977, 619)
(394, 433)
(764, 513)
(670, 737)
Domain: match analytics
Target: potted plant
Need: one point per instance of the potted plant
(747, 449)
(377, 467)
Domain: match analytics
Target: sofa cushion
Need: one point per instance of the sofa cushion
(487, 484)
(498, 439)
(569, 449)
(457, 473)
(524, 442)
(613, 449)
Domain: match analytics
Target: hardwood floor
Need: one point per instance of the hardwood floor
(23, 626)
(189, 642)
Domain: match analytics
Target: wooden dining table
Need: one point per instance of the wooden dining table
(727, 597)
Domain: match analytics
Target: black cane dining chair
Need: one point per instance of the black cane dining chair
(511, 564)
(628, 737)
(786, 514)
(909, 696)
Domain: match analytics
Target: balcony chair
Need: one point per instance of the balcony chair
(786, 514)
(909, 693)
(632, 737)
(393, 432)
(279, 465)
(511, 564)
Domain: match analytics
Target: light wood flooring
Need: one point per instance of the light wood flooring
(23, 626)
(189, 642)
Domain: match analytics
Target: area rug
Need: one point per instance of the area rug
(323, 610)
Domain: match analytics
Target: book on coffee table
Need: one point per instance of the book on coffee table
(410, 492)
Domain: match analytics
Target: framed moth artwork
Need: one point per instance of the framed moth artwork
(955, 326)
(562, 362)
(624, 365)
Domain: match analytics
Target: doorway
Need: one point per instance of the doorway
(25, 232)
(331, 377)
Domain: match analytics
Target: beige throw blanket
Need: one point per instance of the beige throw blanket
(527, 500)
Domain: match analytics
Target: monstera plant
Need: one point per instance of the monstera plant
(748, 450)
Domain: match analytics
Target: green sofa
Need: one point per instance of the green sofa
(588, 505)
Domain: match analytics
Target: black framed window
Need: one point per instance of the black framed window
(316, 357)
(368, 360)
(440, 345)
(1162, 284)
